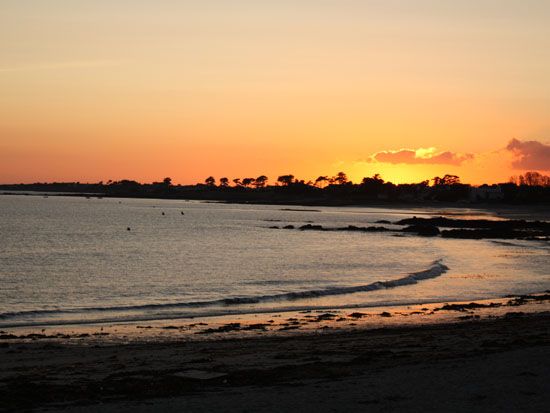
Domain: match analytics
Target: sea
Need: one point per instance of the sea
(74, 260)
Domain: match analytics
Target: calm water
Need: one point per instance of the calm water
(66, 260)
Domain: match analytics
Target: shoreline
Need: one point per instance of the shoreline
(253, 315)
(171, 365)
(504, 209)
(281, 323)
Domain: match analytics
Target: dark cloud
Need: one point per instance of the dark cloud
(530, 155)
(421, 156)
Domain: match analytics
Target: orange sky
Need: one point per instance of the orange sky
(142, 90)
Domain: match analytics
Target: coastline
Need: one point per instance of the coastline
(131, 366)
(276, 321)
(528, 211)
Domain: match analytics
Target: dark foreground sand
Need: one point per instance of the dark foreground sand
(497, 362)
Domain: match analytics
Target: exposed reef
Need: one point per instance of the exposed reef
(455, 228)
(480, 228)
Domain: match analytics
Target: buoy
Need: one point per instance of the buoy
(163, 213)
(128, 229)
(182, 213)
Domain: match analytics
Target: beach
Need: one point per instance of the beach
(471, 356)
(161, 305)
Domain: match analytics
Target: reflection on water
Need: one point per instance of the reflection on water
(75, 259)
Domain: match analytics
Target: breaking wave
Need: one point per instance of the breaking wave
(436, 269)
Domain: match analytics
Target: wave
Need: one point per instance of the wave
(436, 269)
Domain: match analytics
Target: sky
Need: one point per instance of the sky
(135, 89)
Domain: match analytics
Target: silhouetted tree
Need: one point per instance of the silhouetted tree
(321, 181)
(237, 182)
(376, 180)
(224, 182)
(127, 186)
(210, 181)
(286, 180)
(167, 181)
(451, 180)
(449, 189)
(373, 186)
(260, 181)
(446, 180)
(341, 178)
(534, 179)
(247, 182)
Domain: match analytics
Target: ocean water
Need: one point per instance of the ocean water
(67, 260)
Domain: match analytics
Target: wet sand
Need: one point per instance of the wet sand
(482, 356)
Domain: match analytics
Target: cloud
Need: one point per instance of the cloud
(420, 156)
(530, 155)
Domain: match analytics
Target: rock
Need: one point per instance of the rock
(326, 316)
(483, 228)
(492, 233)
(311, 227)
(383, 221)
(385, 314)
(423, 230)
(363, 229)
(464, 307)
(357, 315)
(35, 336)
(223, 329)
(476, 223)
(288, 227)
(258, 326)
(376, 229)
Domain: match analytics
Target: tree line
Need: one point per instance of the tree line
(341, 178)
(531, 187)
(322, 181)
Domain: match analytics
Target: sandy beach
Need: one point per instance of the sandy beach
(482, 356)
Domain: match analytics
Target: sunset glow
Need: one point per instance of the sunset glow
(142, 90)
